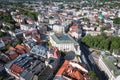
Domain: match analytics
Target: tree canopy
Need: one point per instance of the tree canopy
(102, 42)
(92, 75)
(1, 33)
(116, 20)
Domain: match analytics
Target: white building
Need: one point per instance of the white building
(109, 21)
(65, 43)
(40, 18)
(107, 63)
(58, 28)
(17, 32)
(26, 26)
(92, 33)
(52, 21)
(119, 14)
(75, 31)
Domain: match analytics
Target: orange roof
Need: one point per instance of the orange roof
(61, 70)
(19, 46)
(70, 31)
(26, 48)
(13, 56)
(16, 69)
(6, 40)
(30, 32)
(74, 27)
(11, 48)
(70, 71)
(21, 49)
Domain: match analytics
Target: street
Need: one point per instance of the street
(91, 65)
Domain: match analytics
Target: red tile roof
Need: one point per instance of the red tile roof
(70, 31)
(70, 71)
(13, 56)
(7, 40)
(30, 32)
(19, 46)
(63, 67)
(15, 69)
(12, 48)
(21, 49)
(74, 27)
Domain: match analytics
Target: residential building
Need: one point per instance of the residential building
(75, 32)
(35, 65)
(16, 32)
(116, 53)
(110, 65)
(40, 18)
(29, 21)
(29, 43)
(71, 71)
(65, 42)
(22, 49)
(86, 28)
(92, 33)
(2, 44)
(119, 14)
(52, 62)
(52, 21)
(58, 28)
(32, 35)
(4, 58)
(25, 67)
(39, 51)
(41, 27)
(12, 54)
(109, 21)
(27, 26)
(7, 40)
(19, 18)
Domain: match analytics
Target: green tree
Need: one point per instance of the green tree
(62, 53)
(12, 28)
(102, 42)
(1, 33)
(104, 28)
(114, 45)
(5, 27)
(116, 20)
(92, 75)
(61, 6)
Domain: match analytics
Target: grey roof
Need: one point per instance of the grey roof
(27, 75)
(53, 61)
(45, 74)
(39, 50)
(63, 38)
(117, 52)
(31, 65)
